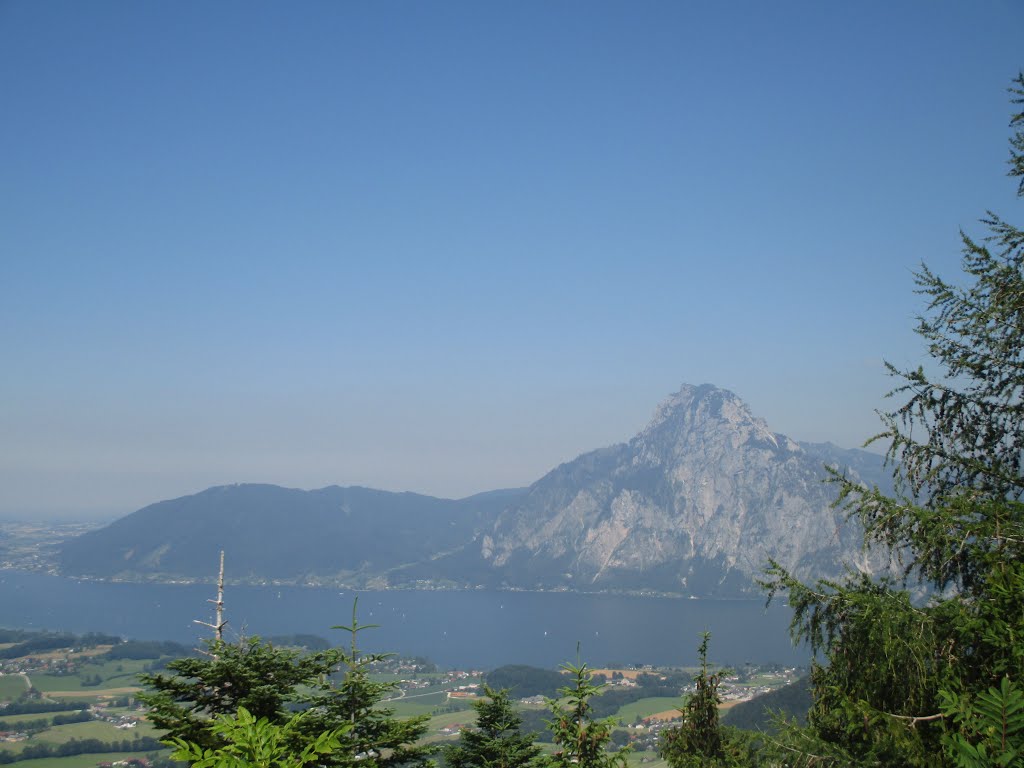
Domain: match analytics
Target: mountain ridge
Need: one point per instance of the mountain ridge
(693, 504)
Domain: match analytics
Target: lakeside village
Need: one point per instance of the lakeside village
(44, 692)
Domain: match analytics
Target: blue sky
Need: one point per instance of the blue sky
(444, 247)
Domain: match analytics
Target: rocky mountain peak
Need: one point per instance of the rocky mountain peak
(696, 406)
(696, 503)
(698, 417)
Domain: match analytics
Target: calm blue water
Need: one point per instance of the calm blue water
(468, 629)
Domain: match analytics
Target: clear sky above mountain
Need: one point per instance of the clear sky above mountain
(444, 246)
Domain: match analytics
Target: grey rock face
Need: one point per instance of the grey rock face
(696, 503)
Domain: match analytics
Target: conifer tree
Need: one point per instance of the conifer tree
(582, 741)
(701, 740)
(266, 681)
(376, 738)
(288, 695)
(907, 682)
(497, 740)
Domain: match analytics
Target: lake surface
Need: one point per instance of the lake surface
(480, 629)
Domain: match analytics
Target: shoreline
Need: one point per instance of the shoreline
(348, 586)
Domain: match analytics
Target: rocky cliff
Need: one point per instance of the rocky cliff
(696, 503)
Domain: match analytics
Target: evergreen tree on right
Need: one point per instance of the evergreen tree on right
(935, 682)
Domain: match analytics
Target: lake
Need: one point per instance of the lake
(481, 629)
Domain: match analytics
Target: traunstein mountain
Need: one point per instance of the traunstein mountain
(695, 504)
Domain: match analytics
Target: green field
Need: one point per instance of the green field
(446, 720)
(15, 719)
(413, 707)
(95, 729)
(648, 759)
(647, 707)
(11, 687)
(120, 674)
(121, 668)
(78, 761)
(73, 684)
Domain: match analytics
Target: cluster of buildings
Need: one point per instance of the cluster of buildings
(43, 665)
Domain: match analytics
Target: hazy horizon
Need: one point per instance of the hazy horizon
(103, 514)
(445, 247)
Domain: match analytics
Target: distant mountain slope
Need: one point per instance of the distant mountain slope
(694, 504)
(868, 467)
(348, 534)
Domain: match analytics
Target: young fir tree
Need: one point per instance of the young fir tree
(582, 742)
(376, 738)
(292, 694)
(701, 740)
(936, 683)
(497, 741)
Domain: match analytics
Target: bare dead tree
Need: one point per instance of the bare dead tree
(218, 623)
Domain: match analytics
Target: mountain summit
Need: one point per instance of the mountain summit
(694, 504)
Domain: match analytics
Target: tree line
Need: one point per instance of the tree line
(42, 723)
(48, 642)
(37, 706)
(80, 747)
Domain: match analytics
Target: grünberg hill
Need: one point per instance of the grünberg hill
(695, 504)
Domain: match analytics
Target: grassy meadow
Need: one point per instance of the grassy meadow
(11, 686)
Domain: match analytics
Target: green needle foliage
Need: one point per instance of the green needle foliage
(497, 741)
(376, 739)
(914, 683)
(290, 699)
(701, 740)
(582, 741)
(267, 682)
